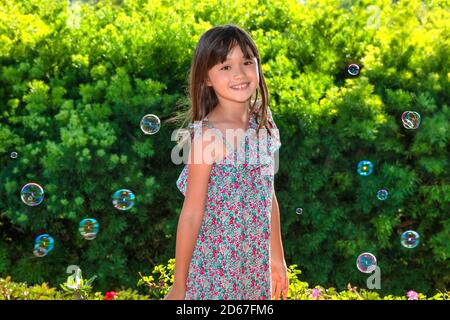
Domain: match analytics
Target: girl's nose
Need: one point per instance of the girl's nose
(239, 73)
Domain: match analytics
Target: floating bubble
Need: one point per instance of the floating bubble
(366, 262)
(411, 119)
(43, 244)
(410, 239)
(32, 194)
(299, 211)
(150, 124)
(14, 155)
(382, 194)
(353, 69)
(89, 228)
(365, 167)
(123, 199)
(39, 252)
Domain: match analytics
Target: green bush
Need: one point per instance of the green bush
(158, 288)
(10, 290)
(72, 96)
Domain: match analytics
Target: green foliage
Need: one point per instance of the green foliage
(75, 82)
(298, 290)
(160, 286)
(21, 291)
(10, 290)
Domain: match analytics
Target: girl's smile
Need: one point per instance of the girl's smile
(240, 86)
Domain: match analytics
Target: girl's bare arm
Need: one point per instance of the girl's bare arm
(276, 243)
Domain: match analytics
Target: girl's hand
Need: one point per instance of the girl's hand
(176, 293)
(280, 280)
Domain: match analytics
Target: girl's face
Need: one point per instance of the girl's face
(236, 70)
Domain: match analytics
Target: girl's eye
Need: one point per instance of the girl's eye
(250, 62)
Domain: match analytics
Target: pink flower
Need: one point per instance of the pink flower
(315, 293)
(110, 295)
(412, 295)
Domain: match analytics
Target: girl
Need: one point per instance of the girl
(228, 243)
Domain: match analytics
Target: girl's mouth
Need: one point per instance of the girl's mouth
(241, 87)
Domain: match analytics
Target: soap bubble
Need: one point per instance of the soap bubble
(39, 252)
(43, 244)
(366, 262)
(150, 124)
(299, 211)
(410, 239)
(411, 119)
(365, 167)
(14, 155)
(382, 194)
(353, 69)
(32, 194)
(123, 199)
(89, 228)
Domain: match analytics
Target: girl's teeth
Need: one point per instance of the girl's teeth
(240, 87)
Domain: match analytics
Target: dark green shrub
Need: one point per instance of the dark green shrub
(71, 99)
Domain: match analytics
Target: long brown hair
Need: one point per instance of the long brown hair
(213, 47)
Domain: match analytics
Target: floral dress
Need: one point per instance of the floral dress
(231, 258)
